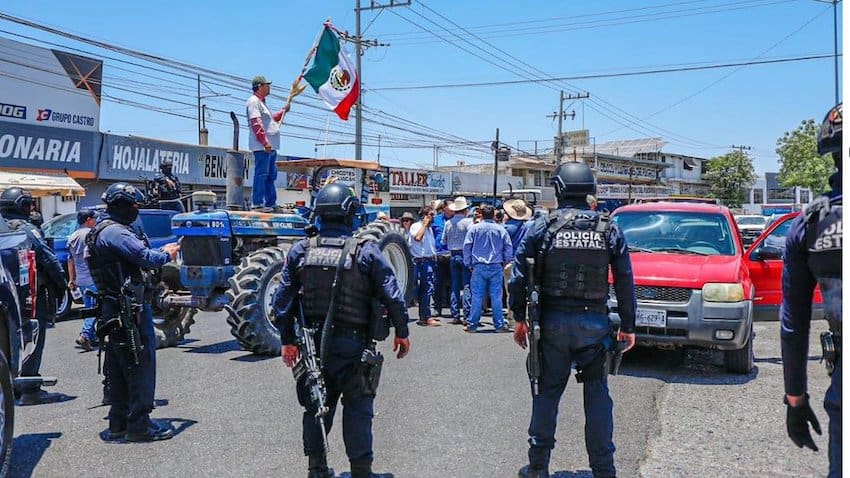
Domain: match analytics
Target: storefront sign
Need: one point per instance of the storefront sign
(625, 170)
(25, 146)
(130, 158)
(50, 87)
(420, 182)
(636, 190)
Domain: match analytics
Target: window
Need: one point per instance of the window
(539, 178)
(677, 232)
(805, 196)
(777, 236)
(758, 196)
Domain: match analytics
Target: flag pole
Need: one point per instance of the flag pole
(296, 89)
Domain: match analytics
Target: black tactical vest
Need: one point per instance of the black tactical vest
(576, 256)
(823, 241)
(316, 274)
(166, 192)
(107, 267)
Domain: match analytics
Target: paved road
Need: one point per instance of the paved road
(458, 406)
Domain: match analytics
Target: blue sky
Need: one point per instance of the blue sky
(751, 105)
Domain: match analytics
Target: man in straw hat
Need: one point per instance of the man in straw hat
(453, 235)
(518, 213)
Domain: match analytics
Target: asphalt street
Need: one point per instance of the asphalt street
(457, 406)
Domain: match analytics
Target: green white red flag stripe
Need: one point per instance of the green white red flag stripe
(333, 75)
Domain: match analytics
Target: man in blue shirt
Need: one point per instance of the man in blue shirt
(453, 236)
(573, 249)
(442, 275)
(518, 213)
(486, 250)
(812, 257)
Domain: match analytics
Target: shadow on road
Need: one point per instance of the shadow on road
(27, 451)
(778, 360)
(219, 348)
(253, 358)
(693, 366)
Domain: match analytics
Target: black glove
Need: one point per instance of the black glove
(798, 420)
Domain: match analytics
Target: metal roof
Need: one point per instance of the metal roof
(630, 147)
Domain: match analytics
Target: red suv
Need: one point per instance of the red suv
(692, 282)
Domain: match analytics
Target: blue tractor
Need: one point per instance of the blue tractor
(231, 259)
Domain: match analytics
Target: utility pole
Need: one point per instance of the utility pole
(495, 148)
(359, 42)
(559, 142)
(203, 133)
(741, 149)
(834, 40)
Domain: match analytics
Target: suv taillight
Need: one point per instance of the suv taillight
(33, 284)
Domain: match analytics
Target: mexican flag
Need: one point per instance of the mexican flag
(333, 75)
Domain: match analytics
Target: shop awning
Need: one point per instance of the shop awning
(40, 185)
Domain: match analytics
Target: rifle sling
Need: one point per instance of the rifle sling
(327, 327)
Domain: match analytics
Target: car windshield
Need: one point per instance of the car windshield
(60, 227)
(751, 220)
(677, 232)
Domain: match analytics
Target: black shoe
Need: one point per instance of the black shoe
(156, 432)
(112, 435)
(326, 473)
(528, 472)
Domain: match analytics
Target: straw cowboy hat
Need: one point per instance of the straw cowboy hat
(517, 209)
(459, 204)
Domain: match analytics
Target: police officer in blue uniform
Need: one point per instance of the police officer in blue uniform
(16, 207)
(573, 248)
(306, 278)
(116, 252)
(813, 257)
(168, 188)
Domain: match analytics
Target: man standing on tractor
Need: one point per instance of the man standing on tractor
(264, 141)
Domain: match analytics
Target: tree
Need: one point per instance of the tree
(729, 176)
(799, 162)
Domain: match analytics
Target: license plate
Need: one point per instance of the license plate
(651, 318)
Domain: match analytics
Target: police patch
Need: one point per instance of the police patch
(573, 239)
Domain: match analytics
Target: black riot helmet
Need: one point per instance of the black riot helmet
(123, 201)
(573, 180)
(166, 165)
(18, 200)
(336, 201)
(829, 134)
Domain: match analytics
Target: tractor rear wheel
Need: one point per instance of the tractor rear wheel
(250, 295)
(390, 240)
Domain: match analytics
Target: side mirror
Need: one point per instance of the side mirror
(764, 253)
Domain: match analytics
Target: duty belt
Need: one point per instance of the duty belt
(457, 253)
(351, 332)
(602, 309)
(419, 260)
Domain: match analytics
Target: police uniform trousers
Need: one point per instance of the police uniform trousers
(832, 405)
(132, 387)
(44, 309)
(341, 380)
(567, 339)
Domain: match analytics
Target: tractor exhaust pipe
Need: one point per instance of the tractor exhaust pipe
(235, 164)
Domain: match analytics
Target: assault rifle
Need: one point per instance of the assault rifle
(533, 316)
(310, 368)
(128, 313)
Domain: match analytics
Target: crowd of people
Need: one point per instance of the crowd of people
(462, 260)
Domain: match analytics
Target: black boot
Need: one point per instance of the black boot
(318, 467)
(528, 472)
(361, 469)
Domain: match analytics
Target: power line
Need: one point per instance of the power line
(607, 75)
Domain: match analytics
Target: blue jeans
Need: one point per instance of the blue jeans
(486, 278)
(832, 405)
(132, 387)
(460, 283)
(424, 272)
(265, 172)
(442, 283)
(567, 339)
(357, 408)
(88, 301)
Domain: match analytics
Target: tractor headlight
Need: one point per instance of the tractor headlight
(720, 292)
